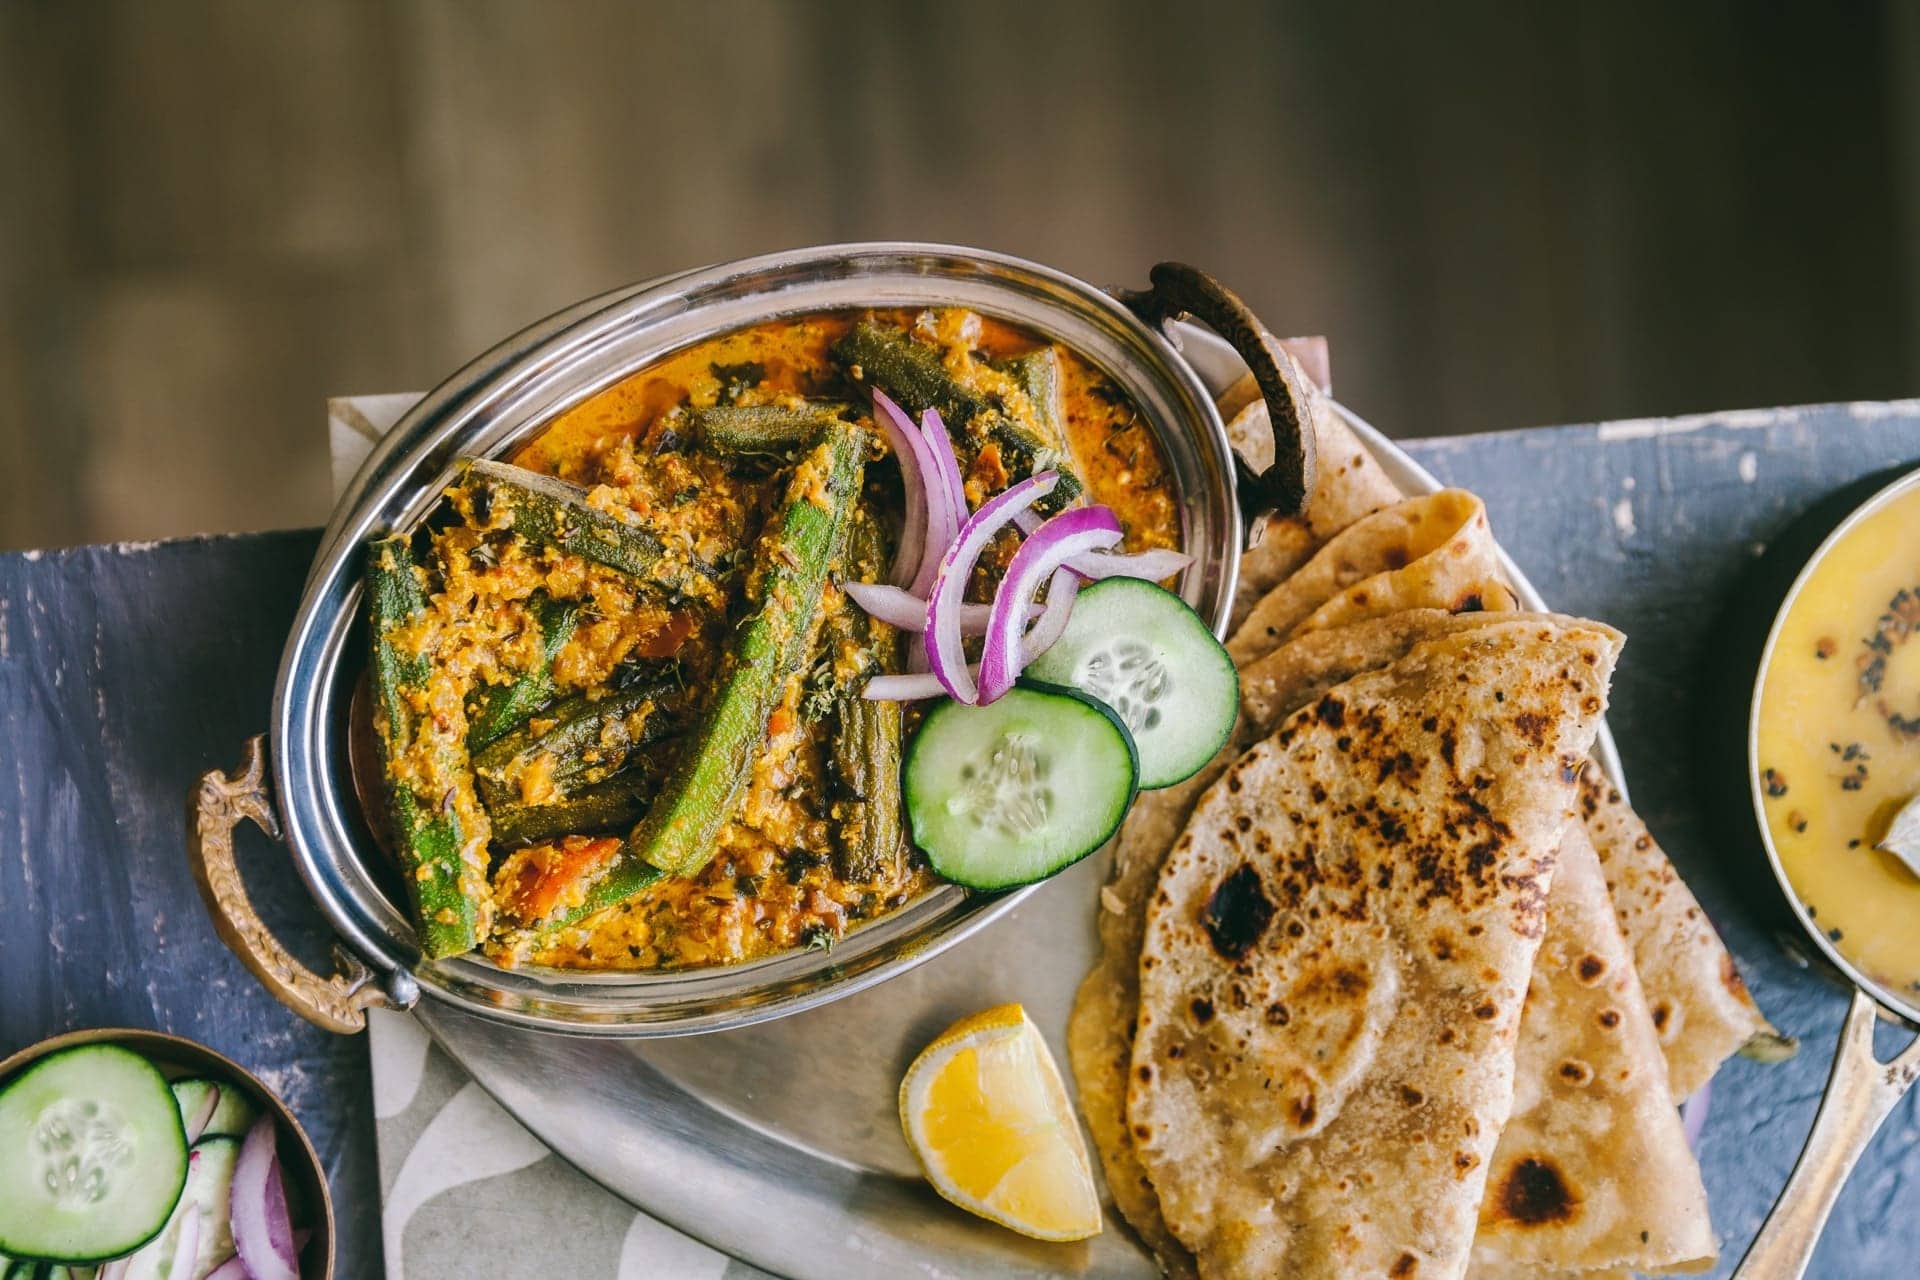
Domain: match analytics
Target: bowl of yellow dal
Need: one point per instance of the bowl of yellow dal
(1834, 744)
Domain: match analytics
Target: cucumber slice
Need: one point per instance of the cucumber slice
(1140, 649)
(92, 1156)
(1010, 793)
(233, 1115)
(210, 1189)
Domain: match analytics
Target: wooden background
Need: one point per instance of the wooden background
(216, 213)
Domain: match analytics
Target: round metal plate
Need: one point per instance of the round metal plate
(779, 1143)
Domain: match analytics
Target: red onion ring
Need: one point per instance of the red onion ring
(909, 450)
(1154, 566)
(946, 501)
(235, 1269)
(1073, 532)
(913, 687)
(262, 1232)
(1061, 590)
(908, 612)
(944, 652)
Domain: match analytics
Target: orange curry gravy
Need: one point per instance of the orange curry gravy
(772, 883)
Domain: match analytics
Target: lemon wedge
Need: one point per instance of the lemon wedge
(984, 1109)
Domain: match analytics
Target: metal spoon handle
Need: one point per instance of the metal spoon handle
(1860, 1093)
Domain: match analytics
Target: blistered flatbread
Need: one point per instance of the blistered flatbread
(1592, 1169)
(1336, 955)
(1436, 549)
(1701, 1007)
(1349, 484)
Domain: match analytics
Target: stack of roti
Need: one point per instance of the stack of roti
(1398, 985)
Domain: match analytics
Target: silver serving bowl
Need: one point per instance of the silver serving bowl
(500, 400)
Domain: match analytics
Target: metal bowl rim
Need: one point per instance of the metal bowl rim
(1906, 1008)
(180, 1051)
(457, 411)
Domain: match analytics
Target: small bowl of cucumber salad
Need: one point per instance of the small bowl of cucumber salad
(136, 1155)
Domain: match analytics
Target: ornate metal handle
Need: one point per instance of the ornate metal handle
(1860, 1093)
(338, 1003)
(1179, 290)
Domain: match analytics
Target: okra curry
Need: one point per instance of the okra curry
(617, 681)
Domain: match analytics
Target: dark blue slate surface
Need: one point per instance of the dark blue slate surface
(127, 671)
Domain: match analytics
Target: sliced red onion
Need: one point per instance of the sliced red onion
(1693, 1115)
(197, 1123)
(908, 612)
(909, 449)
(235, 1269)
(912, 687)
(1073, 532)
(1154, 566)
(186, 1246)
(944, 653)
(1052, 620)
(1064, 586)
(261, 1230)
(946, 501)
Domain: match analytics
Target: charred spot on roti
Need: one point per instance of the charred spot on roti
(1403, 1266)
(1277, 1015)
(1470, 603)
(1331, 711)
(1486, 1011)
(1465, 1162)
(1411, 1096)
(1609, 1018)
(1533, 727)
(1576, 1072)
(1237, 912)
(1591, 969)
(1534, 1194)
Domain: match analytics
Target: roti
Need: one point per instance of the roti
(1348, 485)
(1337, 951)
(1701, 1008)
(1593, 1168)
(1436, 549)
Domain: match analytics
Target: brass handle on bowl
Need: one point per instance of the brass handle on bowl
(1179, 290)
(337, 1003)
(1860, 1092)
